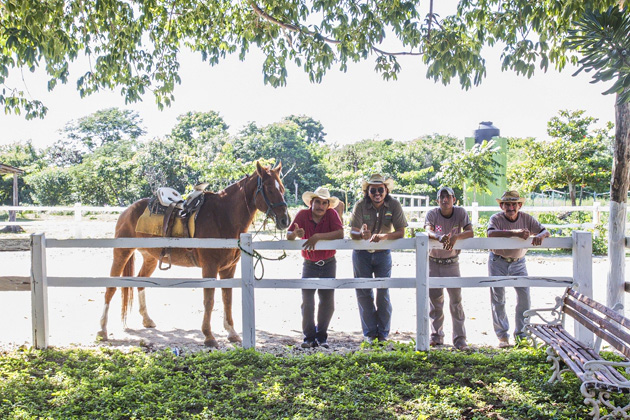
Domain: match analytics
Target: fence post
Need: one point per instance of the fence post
(596, 212)
(77, 221)
(422, 291)
(247, 291)
(39, 291)
(475, 214)
(583, 277)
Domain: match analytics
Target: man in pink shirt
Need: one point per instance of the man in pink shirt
(319, 221)
(511, 223)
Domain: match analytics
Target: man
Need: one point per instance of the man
(447, 224)
(376, 217)
(319, 222)
(511, 223)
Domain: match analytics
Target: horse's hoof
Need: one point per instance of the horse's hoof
(148, 324)
(101, 336)
(235, 339)
(211, 343)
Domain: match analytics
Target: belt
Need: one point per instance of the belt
(372, 251)
(451, 260)
(508, 259)
(320, 263)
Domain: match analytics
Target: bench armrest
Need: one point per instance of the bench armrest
(593, 366)
(550, 316)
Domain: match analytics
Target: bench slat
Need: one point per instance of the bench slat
(601, 322)
(599, 330)
(602, 308)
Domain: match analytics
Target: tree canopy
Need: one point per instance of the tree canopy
(134, 45)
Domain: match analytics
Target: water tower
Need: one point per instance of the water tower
(487, 131)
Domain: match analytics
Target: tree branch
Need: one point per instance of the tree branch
(294, 28)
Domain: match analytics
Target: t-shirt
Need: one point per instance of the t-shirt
(330, 222)
(441, 225)
(386, 219)
(498, 221)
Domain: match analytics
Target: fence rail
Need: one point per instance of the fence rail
(410, 209)
(580, 243)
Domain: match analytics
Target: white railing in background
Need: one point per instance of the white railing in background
(415, 211)
(580, 243)
(77, 210)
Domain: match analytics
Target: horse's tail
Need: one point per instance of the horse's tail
(127, 292)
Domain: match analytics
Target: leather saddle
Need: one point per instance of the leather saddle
(176, 211)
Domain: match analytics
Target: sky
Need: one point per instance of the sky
(352, 106)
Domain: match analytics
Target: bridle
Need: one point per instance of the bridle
(270, 205)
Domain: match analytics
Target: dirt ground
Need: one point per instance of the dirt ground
(74, 313)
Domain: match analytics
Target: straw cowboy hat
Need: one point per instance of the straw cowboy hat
(322, 193)
(510, 197)
(378, 179)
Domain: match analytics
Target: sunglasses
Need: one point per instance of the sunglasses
(379, 190)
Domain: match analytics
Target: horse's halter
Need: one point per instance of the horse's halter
(270, 205)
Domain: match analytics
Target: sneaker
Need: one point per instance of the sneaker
(435, 343)
(323, 343)
(504, 343)
(369, 339)
(307, 344)
(381, 339)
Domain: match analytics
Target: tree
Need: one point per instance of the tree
(475, 168)
(603, 40)
(21, 155)
(93, 131)
(576, 156)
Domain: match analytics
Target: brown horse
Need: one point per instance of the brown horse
(225, 214)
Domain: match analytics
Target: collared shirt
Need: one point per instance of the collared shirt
(388, 218)
(498, 221)
(330, 222)
(454, 224)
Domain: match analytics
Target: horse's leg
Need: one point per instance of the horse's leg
(109, 294)
(148, 267)
(206, 328)
(228, 321)
(122, 257)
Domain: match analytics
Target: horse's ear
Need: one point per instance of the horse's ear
(278, 167)
(259, 169)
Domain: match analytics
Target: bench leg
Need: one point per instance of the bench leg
(556, 361)
(599, 397)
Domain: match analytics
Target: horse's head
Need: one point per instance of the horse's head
(270, 195)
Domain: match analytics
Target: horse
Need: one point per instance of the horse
(225, 214)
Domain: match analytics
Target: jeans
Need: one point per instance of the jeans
(455, 305)
(326, 302)
(497, 266)
(375, 315)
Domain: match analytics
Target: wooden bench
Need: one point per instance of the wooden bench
(599, 377)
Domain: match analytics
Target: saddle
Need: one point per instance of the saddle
(169, 215)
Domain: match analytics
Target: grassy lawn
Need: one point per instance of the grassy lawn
(391, 382)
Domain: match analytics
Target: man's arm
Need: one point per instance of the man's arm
(327, 236)
(537, 239)
(397, 234)
(514, 233)
(450, 240)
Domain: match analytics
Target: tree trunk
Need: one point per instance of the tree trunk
(572, 194)
(618, 200)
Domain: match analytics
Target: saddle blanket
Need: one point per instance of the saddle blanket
(152, 225)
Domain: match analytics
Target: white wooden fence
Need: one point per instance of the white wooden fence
(580, 243)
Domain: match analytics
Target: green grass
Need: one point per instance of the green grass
(394, 382)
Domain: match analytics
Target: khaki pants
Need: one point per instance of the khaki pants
(436, 297)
